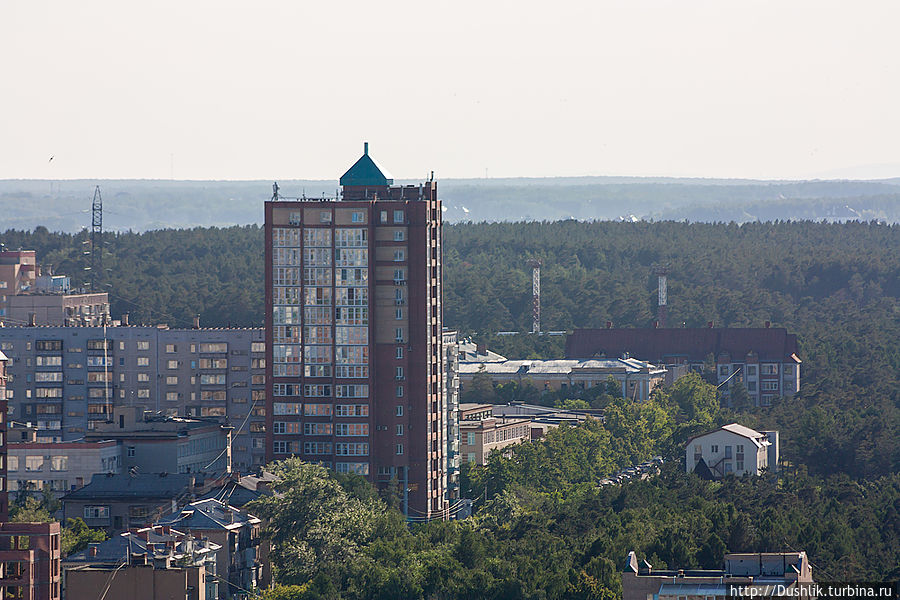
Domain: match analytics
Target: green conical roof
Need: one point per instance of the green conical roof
(366, 172)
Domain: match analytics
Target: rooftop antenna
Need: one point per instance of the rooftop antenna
(96, 238)
(535, 265)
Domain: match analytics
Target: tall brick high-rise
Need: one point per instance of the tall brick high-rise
(353, 334)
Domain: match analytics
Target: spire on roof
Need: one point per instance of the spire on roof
(366, 172)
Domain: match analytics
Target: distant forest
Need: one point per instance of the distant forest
(144, 205)
(836, 285)
(543, 529)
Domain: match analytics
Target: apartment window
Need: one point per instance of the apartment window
(12, 463)
(351, 429)
(399, 352)
(352, 410)
(172, 364)
(727, 451)
(399, 391)
(172, 380)
(470, 439)
(358, 217)
(59, 463)
(357, 468)
(398, 314)
(751, 386)
(143, 361)
(398, 334)
(351, 449)
(214, 347)
(34, 463)
(257, 347)
(399, 449)
(318, 410)
(48, 345)
(714, 448)
(769, 369)
(399, 411)
(728, 468)
(723, 370)
(399, 216)
(769, 386)
(143, 377)
(751, 370)
(121, 361)
(96, 512)
(325, 216)
(172, 396)
(399, 236)
(399, 372)
(399, 429)
(399, 275)
(291, 427)
(171, 348)
(143, 393)
(399, 255)
(143, 345)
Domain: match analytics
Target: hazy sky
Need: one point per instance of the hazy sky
(265, 90)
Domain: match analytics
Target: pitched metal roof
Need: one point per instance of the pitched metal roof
(366, 172)
(140, 485)
(751, 434)
(209, 514)
(695, 344)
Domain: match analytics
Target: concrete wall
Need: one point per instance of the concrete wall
(137, 583)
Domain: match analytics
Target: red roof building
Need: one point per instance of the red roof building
(763, 358)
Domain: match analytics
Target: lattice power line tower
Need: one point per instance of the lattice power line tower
(96, 239)
(662, 310)
(536, 295)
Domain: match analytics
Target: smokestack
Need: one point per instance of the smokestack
(196, 321)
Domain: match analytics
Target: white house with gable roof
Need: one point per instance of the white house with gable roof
(731, 450)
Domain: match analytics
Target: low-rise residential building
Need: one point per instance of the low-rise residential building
(128, 500)
(237, 532)
(730, 450)
(164, 444)
(58, 468)
(637, 378)
(66, 380)
(145, 564)
(750, 571)
(480, 433)
(30, 555)
(763, 359)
